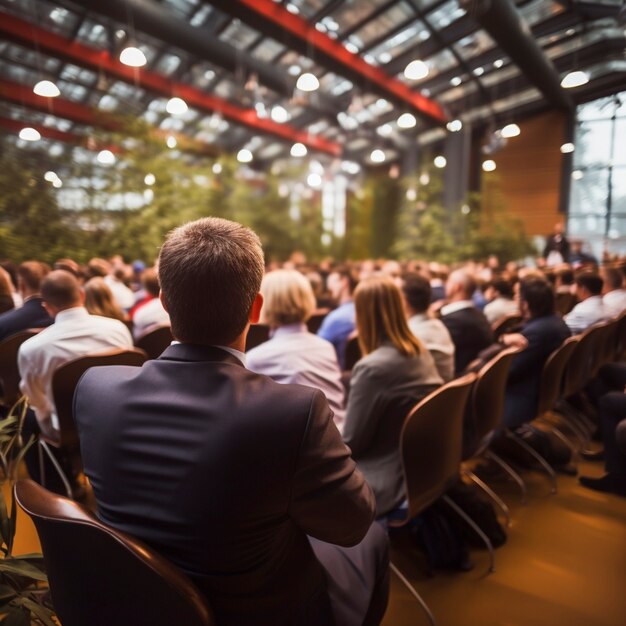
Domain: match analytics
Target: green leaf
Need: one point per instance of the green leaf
(17, 617)
(41, 612)
(5, 525)
(22, 568)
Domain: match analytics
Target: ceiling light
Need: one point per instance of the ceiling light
(30, 134)
(171, 142)
(454, 126)
(57, 183)
(440, 161)
(50, 176)
(424, 178)
(416, 70)
(314, 180)
(575, 79)
(479, 71)
(568, 147)
(217, 168)
(498, 63)
(150, 179)
(411, 194)
(377, 156)
(133, 57)
(406, 120)
(176, 106)
(279, 114)
(456, 81)
(298, 150)
(244, 156)
(465, 209)
(47, 89)
(489, 165)
(577, 174)
(307, 82)
(385, 130)
(510, 130)
(106, 157)
(294, 70)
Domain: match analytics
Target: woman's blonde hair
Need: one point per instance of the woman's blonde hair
(99, 300)
(380, 317)
(288, 298)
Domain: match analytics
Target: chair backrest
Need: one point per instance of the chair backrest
(315, 321)
(602, 334)
(65, 379)
(564, 302)
(579, 366)
(352, 353)
(257, 334)
(552, 375)
(487, 399)
(430, 443)
(9, 372)
(506, 324)
(99, 576)
(620, 338)
(154, 341)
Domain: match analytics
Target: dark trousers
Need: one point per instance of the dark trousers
(357, 577)
(611, 377)
(612, 408)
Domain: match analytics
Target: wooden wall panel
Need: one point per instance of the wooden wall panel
(527, 178)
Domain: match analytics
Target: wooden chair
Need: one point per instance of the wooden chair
(564, 302)
(154, 341)
(9, 373)
(506, 324)
(64, 383)
(258, 334)
(315, 321)
(99, 576)
(430, 445)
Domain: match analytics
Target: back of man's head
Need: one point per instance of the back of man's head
(612, 278)
(150, 281)
(538, 296)
(590, 282)
(460, 285)
(30, 275)
(417, 292)
(61, 290)
(210, 272)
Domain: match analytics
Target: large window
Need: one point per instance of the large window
(598, 199)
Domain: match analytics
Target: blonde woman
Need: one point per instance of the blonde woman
(396, 371)
(99, 300)
(293, 354)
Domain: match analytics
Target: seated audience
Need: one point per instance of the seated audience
(340, 323)
(224, 471)
(590, 309)
(6, 292)
(11, 269)
(293, 354)
(394, 374)
(614, 295)
(32, 313)
(545, 332)
(122, 294)
(151, 313)
(499, 294)
(468, 327)
(148, 290)
(430, 331)
(99, 300)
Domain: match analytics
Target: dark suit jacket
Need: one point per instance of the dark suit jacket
(544, 335)
(30, 315)
(224, 472)
(470, 332)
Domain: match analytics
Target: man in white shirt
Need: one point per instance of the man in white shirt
(590, 308)
(614, 298)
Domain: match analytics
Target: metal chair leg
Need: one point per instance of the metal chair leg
(492, 494)
(544, 464)
(477, 529)
(511, 472)
(571, 424)
(57, 467)
(413, 591)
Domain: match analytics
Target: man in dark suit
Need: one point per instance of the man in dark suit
(32, 313)
(223, 471)
(468, 327)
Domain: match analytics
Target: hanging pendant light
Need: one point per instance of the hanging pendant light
(416, 70)
(308, 82)
(575, 79)
(30, 134)
(406, 120)
(133, 57)
(298, 150)
(176, 106)
(47, 89)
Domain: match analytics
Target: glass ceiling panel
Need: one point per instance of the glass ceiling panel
(540, 10)
(268, 50)
(305, 8)
(239, 35)
(395, 16)
(446, 14)
(350, 13)
(401, 42)
(93, 34)
(48, 15)
(181, 8)
(474, 44)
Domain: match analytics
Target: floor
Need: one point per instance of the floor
(564, 563)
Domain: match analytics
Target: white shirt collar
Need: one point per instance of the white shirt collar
(74, 313)
(453, 307)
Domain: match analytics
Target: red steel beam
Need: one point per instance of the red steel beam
(26, 33)
(259, 12)
(50, 133)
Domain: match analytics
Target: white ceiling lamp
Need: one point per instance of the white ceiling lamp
(456, 81)
(47, 89)
(498, 63)
(279, 114)
(57, 183)
(575, 79)
(298, 150)
(479, 71)
(416, 70)
(30, 134)
(411, 194)
(244, 156)
(149, 179)
(217, 168)
(489, 165)
(424, 178)
(171, 142)
(133, 57)
(385, 130)
(294, 70)
(176, 106)
(377, 156)
(406, 120)
(440, 161)
(50, 176)
(307, 82)
(106, 157)
(568, 147)
(510, 130)
(454, 126)
(314, 180)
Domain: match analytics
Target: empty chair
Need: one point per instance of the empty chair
(99, 576)
(9, 372)
(154, 341)
(64, 383)
(258, 334)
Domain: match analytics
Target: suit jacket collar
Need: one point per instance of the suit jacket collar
(194, 352)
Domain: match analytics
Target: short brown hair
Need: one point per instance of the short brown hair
(210, 272)
(32, 273)
(61, 290)
(150, 281)
(288, 298)
(380, 317)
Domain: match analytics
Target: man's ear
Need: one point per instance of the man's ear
(255, 309)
